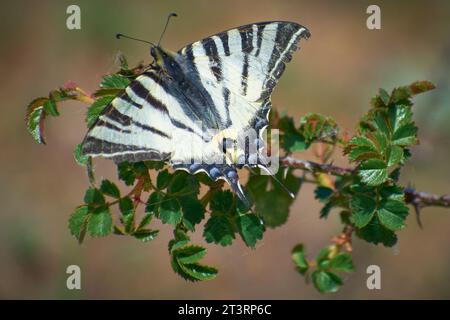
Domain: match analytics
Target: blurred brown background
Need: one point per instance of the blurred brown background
(335, 73)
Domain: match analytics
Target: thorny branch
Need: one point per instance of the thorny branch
(418, 199)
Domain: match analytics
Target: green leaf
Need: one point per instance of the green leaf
(221, 201)
(394, 155)
(107, 92)
(190, 254)
(392, 214)
(373, 172)
(193, 211)
(126, 173)
(326, 281)
(315, 127)
(163, 179)
(96, 109)
(250, 228)
(153, 202)
(183, 183)
(128, 222)
(79, 158)
(126, 206)
(219, 230)
(50, 108)
(376, 233)
(170, 211)
(78, 222)
(298, 256)
(291, 140)
(342, 262)
(114, 81)
(35, 122)
(274, 208)
(100, 223)
(145, 221)
(363, 209)
(199, 272)
(145, 235)
(384, 96)
(322, 258)
(405, 135)
(110, 189)
(361, 148)
(93, 196)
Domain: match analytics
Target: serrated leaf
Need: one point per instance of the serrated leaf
(221, 201)
(326, 281)
(342, 262)
(110, 189)
(193, 211)
(376, 233)
(405, 135)
(184, 184)
(384, 96)
(145, 235)
(189, 254)
(219, 230)
(373, 172)
(145, 221)
(170, 211)
(35, 124)
(153, 202)
(114, 81)
(291, 140)
(314, 126)
(79, 158)
(250, 228)
(199, 272)
(363, 209)
(298, 256)
(163, 179)
(126, 173)
(394, 155)
(78, 222)
(50, 108)
(128, 222)
(392, 214)
(94, 196)
(96, 109)
(100, 223)
(126, 206)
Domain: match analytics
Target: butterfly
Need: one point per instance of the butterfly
(191, 107)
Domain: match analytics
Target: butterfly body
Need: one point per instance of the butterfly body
(203, 108)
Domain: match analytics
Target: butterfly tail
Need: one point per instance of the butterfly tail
(272, 174)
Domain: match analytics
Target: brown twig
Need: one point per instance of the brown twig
(418, 199)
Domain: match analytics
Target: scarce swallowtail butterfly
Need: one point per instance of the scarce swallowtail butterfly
(191, 107)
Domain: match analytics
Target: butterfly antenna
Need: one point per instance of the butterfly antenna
(277, 180)
(121, 35)
(173, 14)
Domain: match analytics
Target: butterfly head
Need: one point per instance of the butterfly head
(164, 59)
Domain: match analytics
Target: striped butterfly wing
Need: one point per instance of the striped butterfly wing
(240, 67)
(138, 125)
